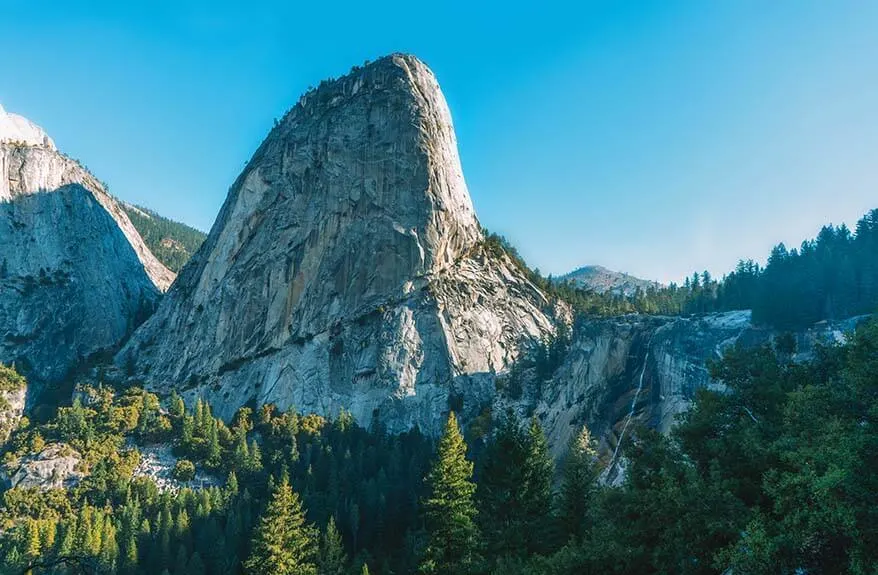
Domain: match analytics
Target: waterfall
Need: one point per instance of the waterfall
(605, 476)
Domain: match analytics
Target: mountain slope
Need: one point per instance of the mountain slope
(346, 269)
(173, 243)
(75, 276)
(602, 280)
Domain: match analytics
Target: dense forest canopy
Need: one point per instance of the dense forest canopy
(171, 242)
(775, 475)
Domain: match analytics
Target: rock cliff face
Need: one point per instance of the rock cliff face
(75, 277)
(646, 369)
(346, 269)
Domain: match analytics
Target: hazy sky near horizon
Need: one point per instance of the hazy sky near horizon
(654, 138)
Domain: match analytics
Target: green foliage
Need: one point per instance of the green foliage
(776, 474)
(184, 470)
(333, 559)
(450, 509)
(578, 487)
(515, 490)
(834, 276)
(283, 543)
(10, 380)
(171, 242)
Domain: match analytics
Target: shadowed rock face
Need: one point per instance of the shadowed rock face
(75, 277)
(649, 368)
(346, 269)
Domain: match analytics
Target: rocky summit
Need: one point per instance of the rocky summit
(75, 277)
(347, 269)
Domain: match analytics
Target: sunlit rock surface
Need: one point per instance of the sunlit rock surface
(346, 269)
(56, 466)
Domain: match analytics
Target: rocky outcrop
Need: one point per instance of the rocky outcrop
(646, 369)
(19, 130)
(75, 277)
(56, 466)
(346, 269)
(157, 463)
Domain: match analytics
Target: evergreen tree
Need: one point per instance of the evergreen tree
(283, 543)
(176, 408)
(502, 489)
(332, 555)
(539, 470)
(578, 486)
(450, 509)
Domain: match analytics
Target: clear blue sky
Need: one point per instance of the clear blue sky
(651, 137)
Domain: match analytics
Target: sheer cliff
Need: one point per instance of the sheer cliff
(75, 277)
(346, 269)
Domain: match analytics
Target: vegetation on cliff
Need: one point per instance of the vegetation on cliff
(171, 242)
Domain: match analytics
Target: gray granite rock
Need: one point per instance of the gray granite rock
(346, 269)
(12, 404)
(75, 276)
(55, 467)
(646, 370)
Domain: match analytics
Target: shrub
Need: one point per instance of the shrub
(184, 470)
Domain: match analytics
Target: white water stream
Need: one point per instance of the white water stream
(612, 464)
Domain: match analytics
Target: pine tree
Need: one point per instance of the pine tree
(578, 486)
(539, 470)
(231, 489)
(214, 451)
(109, 547)
(450, 511)
(196, 565)
(332, 556)
(32, 533)
(283, 543)
(502, 489)
(254, 461)
(129, 559)
(177, 408)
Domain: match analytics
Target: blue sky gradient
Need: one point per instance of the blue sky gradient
(654, 138)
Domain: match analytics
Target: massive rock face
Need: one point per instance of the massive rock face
(346, 269)
(75, 277)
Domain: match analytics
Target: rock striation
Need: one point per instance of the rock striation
(347, 269)
(75, 276)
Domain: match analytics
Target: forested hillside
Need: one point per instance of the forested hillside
(172, 243)
(776, 476)
(833, 276)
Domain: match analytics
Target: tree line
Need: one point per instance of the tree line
(833, 276)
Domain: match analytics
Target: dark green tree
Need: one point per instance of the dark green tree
(283, 544)
(450, 510)
(579, 485)
(332, 560)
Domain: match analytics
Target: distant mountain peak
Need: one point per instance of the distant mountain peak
(603, 280)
